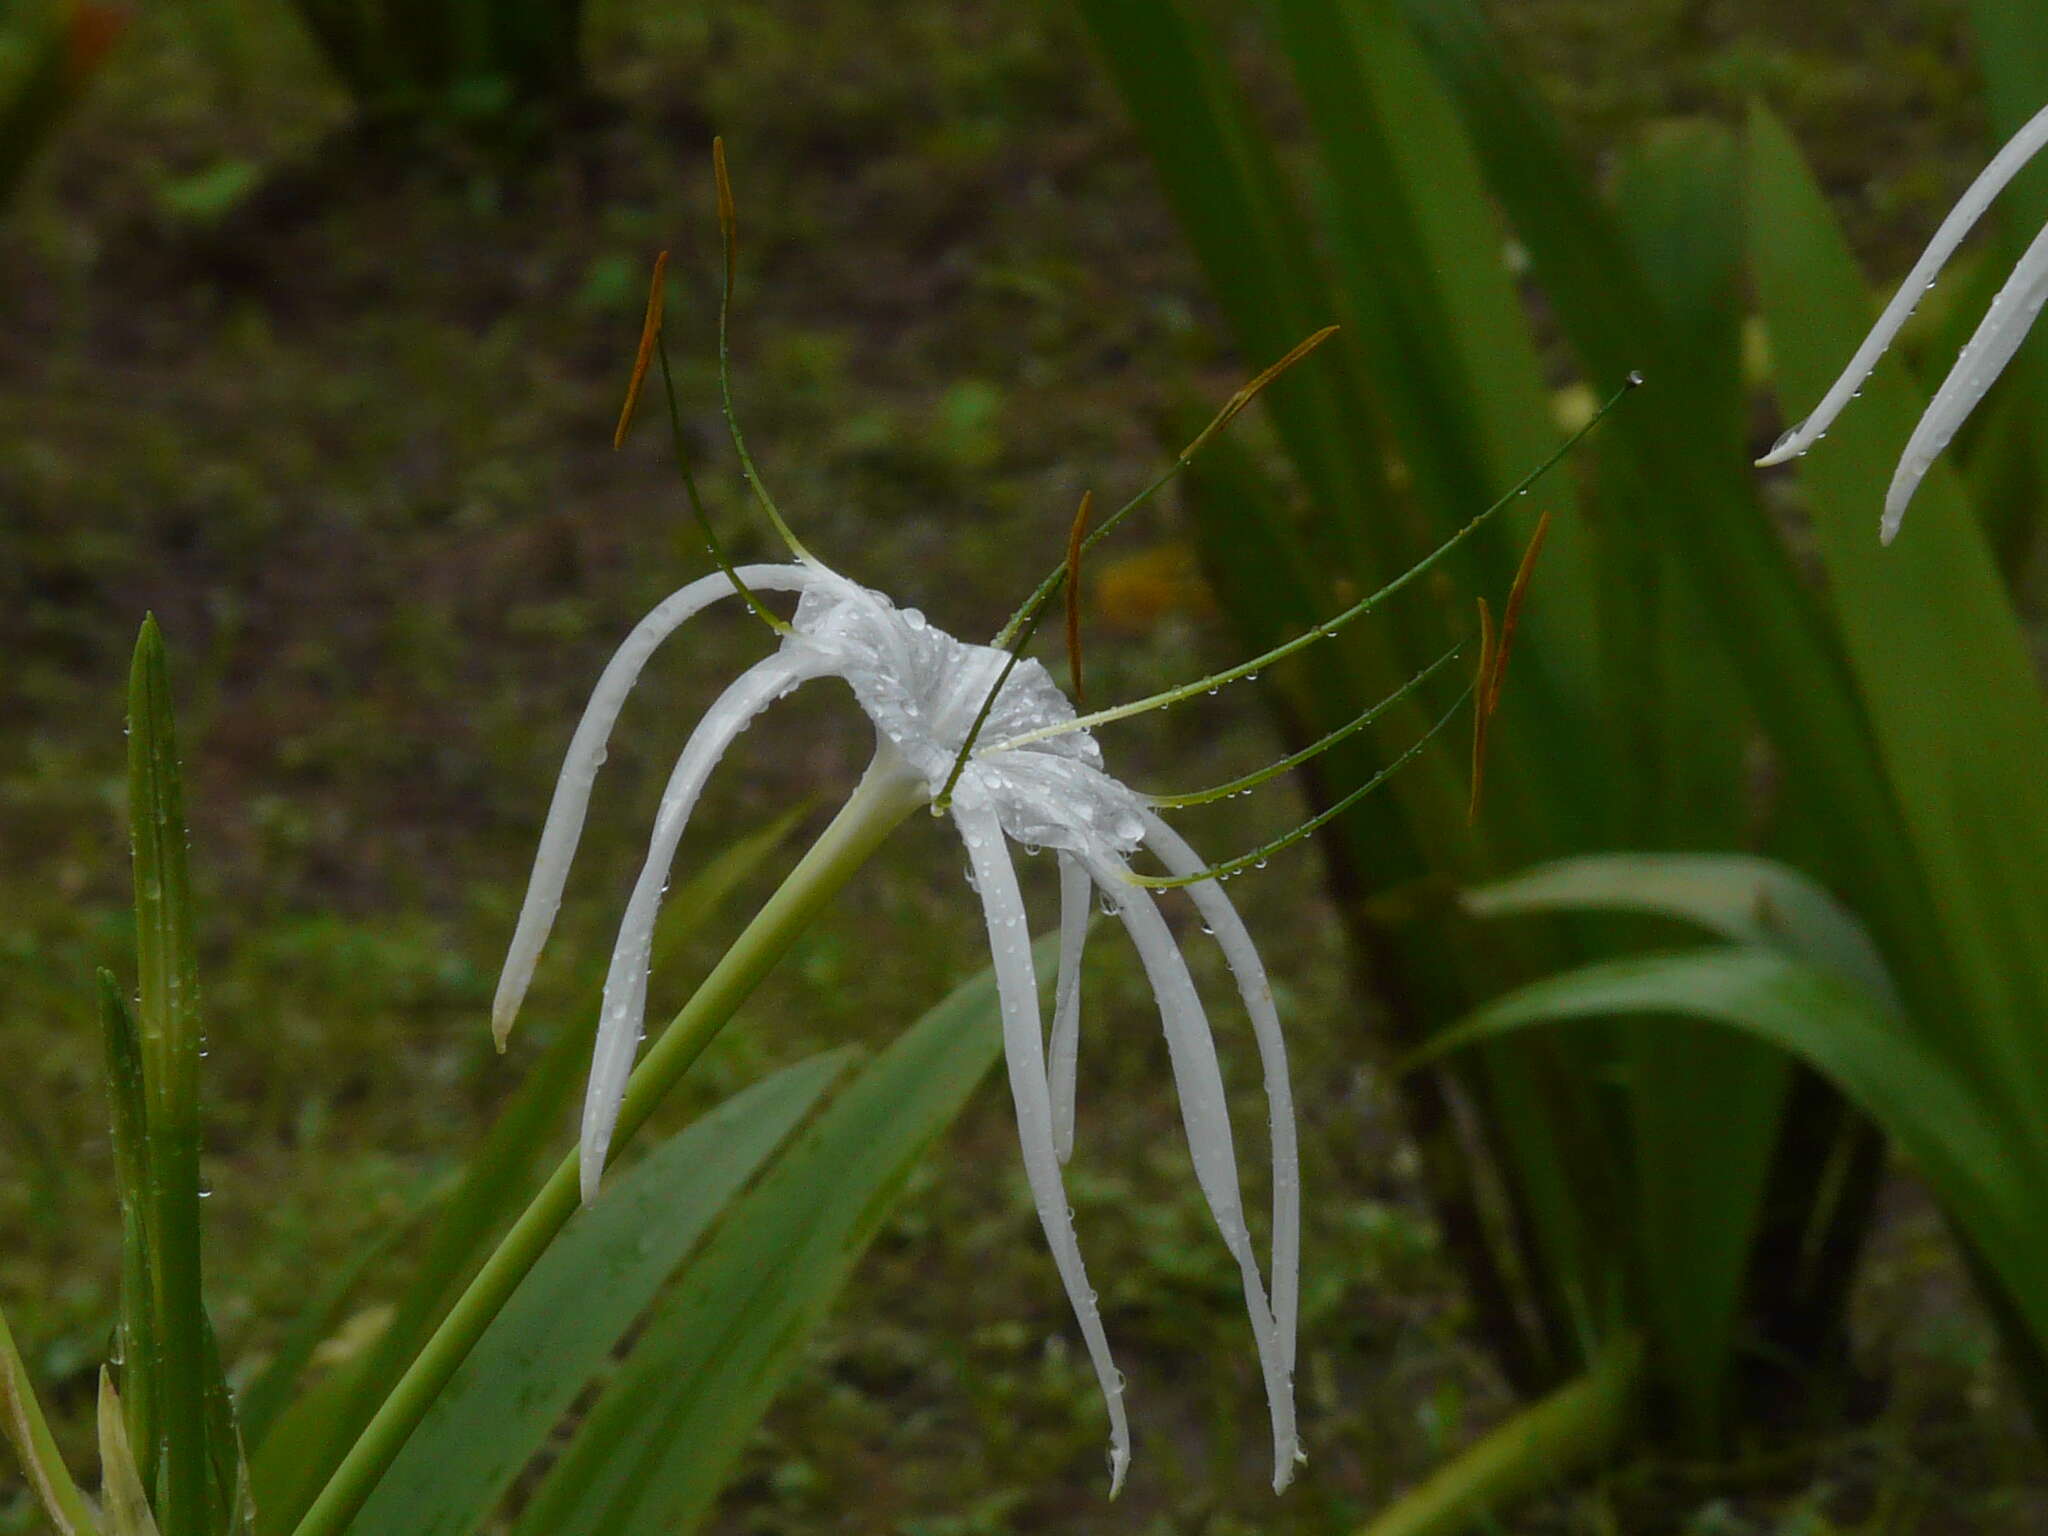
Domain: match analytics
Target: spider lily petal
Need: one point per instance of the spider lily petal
(1997, 338)
(1219, 914)
(925, 693)
(1077, 890)
(564, 824)
(1198, 1079)
(1017, 986)
(625, 987)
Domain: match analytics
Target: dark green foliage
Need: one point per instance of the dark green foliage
(1653, 1182)
(460, 63)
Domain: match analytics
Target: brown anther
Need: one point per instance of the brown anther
(650, 330)
(89, 32)
(1482, 686)
(1493, 657)
(728, 216)
(1076, 539)
(1250, 392)
(1511, 616)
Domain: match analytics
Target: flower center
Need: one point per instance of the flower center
(922, 689)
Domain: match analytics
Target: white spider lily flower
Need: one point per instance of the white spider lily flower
(2005, 325)
(925, 693)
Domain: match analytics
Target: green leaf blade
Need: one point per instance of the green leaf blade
(573, 1308)
(655, 1450)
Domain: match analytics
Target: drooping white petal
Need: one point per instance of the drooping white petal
(1232, 937)
(579, 768)
(1024, 1050)
(2005, 165)
(1077, 891)
(1198, 1079)
(1977, 367)
(625, 986)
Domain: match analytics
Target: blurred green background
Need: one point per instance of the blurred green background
(339, 412)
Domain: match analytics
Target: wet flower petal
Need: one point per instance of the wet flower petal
(1017, 985)
(2012, 313)
(1198, 1079)
(1998, 336)
(924, 692)
(564, 824)
(625, 987)
(1220, 916)
(1077, 890)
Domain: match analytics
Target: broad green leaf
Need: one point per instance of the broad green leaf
(26, 1429)
(570, 1312)
(1454, 387)
(1226, 184)
(659, 1443)
(1841, 807)
(1744, 899)
(1937, 651)
(1984, 1173)
(269, 1394)
(1675, 705)
(290, 1468)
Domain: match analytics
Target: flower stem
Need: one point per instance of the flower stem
(878, 804)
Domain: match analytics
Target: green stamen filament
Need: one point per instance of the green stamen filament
(1023, 624)
(675, 429)
(729, 242)
(1294, 760)
(1014, 634)
(1286, 840)
(1329, 626)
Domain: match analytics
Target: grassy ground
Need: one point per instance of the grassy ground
(348, 435)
